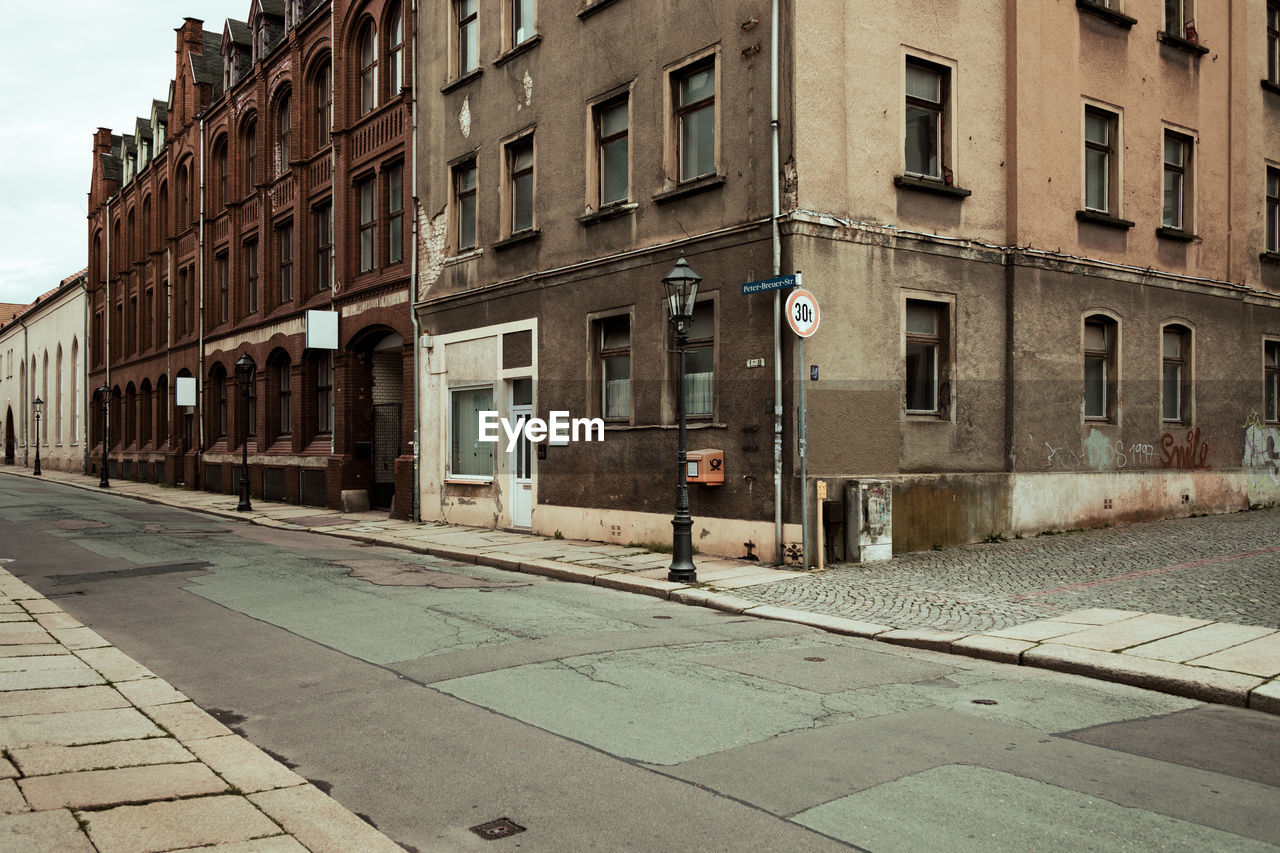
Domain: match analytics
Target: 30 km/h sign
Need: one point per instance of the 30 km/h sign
(802, 312)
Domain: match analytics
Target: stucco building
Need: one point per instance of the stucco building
(41, 358)
(1043, 237)
(259, 203)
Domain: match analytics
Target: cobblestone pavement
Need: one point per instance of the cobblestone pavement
(1224, 567)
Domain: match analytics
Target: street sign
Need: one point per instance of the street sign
(768, 284)
(802, 312)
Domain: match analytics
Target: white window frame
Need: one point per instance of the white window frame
(451, 474)
(1115, 162)
(674, 73)
(946, 69)
(1187, 173)
(1185, 362)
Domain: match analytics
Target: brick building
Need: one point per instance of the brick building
(262, 198)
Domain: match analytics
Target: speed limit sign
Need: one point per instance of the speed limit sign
(802, 312)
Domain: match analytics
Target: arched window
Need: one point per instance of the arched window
(130, 415)
(162, 215)
(184, 198)
(162, 411)
(130, 249)
(144, 415)
(250, 155)
(73, 379)
(117, 248)
(367, 50)
(395, 52)
(57, 398)
(219, 175)
(324, 104)
(283, 130)
(44, 395)
(1101, 368)
(146, 225)
(95, 274)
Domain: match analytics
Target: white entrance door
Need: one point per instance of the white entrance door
(521, 462)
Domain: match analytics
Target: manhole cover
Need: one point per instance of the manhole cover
(495, 829)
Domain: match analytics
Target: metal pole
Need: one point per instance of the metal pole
(804, 460)
(244, 505)
(36, 471)
(104, 483)
(682, 569)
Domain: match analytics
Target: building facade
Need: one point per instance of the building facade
(1043, 238)
(258, 205)
(41, 358)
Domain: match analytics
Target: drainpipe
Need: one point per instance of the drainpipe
(84, 369)
(413, 259)
(200, 309)
(777, 296)
(106, 339)
(23, 397)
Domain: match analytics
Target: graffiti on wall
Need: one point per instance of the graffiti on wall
(1100, 453)
(1188, 454)
(1261, 460)
(875, 511)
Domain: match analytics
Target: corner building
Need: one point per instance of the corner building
(1043, 236)
(262, 198)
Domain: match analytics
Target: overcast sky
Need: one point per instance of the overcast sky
(68, 67)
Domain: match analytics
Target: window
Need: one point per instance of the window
(612, 156)
(1175, 342)
(614, 344)
(695, 100)
(395, 54)
(324, 392)
(250, 155)
(521, 21)
(1177, 19)
(368, 52)
(253, 409)
(1271, 374)
(324, 104)
(1100, 160)
(1273, 43)
(927, 357)
(699, 362)
(395, 214)
(323, 218)
(219, 180)
(284, 239)
(251, 277)
(221, 272)
(220, 388)
(368, 223)
(520, 187)
(1273, 210)
(283, 132)
(926, 98)
(284, 394)
(1178, 206)
(464, 204)
(184, 207)
(1099, 367)
(468, 456)
(465, 12)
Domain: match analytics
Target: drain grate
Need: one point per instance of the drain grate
(495, 829)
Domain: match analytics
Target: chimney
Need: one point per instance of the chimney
(190, 35)
(102, 141)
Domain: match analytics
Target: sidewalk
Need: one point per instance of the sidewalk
(1201, 658)
(101, 755)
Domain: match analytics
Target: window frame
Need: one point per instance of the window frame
(704, 342)
(222, 278)
(1271, 218)
(1185, 11)
(466, 43)
(1273, 43)
(1184, 175)
(1271, 380)
(516, 12)
(600, 140)
(251, 276)
(323, 89)
(941, 108)
(1110, 357)
(1184, 363)
(519, 184)
(395, 51)
(285, 254)
(1111, 150)
(249, 137)
(452, 472)
(679, 112)
(324, 392)
(322, 220)
(940, 343)
(366, 198)
(366, 72)
(394, 179)
(603, 354)
(459, 198)
(284, 130)
(284, 396)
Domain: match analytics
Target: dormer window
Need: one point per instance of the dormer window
(264, 36)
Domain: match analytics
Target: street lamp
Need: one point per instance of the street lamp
(38, 405)
(682, 289)
(104, 397)
(246, 370)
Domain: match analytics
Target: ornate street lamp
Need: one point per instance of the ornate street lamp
(104, 397)
(246, 370)
(38, 405)
(682, 289)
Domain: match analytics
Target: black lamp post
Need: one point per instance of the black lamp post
(246, 370)
(682, 289)
(104, 397)
(38, 405)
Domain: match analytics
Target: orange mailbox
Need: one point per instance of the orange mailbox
(705, 467)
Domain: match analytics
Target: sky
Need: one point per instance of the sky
(67, 68)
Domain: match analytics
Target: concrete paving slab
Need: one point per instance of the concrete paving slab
(90, 788)
(7, 770)
(41, 605)
(47, 760)
(834, 624)
(825, 669)
(11, 799)
(79, 638)
(31, 650)
(114, 664)
(75, 727)
(952, 807)
(23, 634)
(1001, 649)
(1043, 629)
(320, 824)
(57, 620)
(711, 598)
(186, 721)
(1199, 642)
(60, 700)
(63, 661)
(275, 844)
(243, 764)
(1266, 697)
(42, 679)
(562, 571)
(1256, 657)
(1126, 633)
(1098, 615)
(14, 616)
(633, 583)
(181, 823)
(1227, 688)
(755, 578)
(145, 692)
(43, 832)
(920, 638)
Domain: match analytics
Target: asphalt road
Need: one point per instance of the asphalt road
(431, 697)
